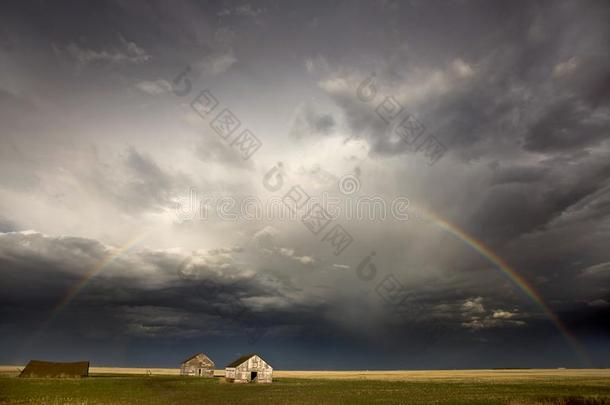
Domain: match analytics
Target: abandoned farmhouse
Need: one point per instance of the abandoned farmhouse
(249, 368)
(198, 365)
(246, 369)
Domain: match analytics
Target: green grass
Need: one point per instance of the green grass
(178, 390)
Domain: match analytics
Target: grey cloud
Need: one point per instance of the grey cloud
(600, 270)
(6, 225)
(125, 52)
(150, 181)
(151, 282)
(159, 295)
(266, 239)
(191, 295)
(10, 104)
(217, 62)
(359, 116)
(599, 303)
(136, 184)
(526, 199)
(519, 174)
(14, 113)
(211, 149)
(154, 87)
(244, 10)
(310, 122)
(508, 95)
(567, 125)
(477, 317)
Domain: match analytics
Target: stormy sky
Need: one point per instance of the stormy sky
(278, 177)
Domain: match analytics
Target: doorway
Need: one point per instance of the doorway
(199, 370)
(253, 376)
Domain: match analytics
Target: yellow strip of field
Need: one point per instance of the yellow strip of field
(127, 370)
(388, 375)
(426, 375)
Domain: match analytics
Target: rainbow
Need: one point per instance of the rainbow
(112, 255)
(511, 273)
(427, 215)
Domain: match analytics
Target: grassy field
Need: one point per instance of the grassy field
(323, 387)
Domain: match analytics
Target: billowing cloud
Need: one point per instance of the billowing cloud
(309, 122)
(217, 63)
(125, 52)
(154, 87)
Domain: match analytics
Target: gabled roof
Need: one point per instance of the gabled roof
(240, 360)
(196, 355)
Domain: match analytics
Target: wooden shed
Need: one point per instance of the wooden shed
(198, 365)
(249, 368)
(48, 369)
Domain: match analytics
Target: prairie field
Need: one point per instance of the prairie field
(163, 386)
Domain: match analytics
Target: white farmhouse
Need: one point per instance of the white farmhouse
(198, 365)
(249, 368)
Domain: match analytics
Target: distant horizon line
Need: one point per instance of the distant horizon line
(3, 367)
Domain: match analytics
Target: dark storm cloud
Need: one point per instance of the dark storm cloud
(528, 90)
(95, 144)
(530, 198)
(519, 174)
(208, 296)
(528, 86)
(568, 125)
(179, 302)
(202, 294)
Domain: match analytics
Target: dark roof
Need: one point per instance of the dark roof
(237, 362)
(198, 354)
(192, 357)
(36, 368)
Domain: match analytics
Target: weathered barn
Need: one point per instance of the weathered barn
(47, 369)
(249, 368)
(198, 365)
